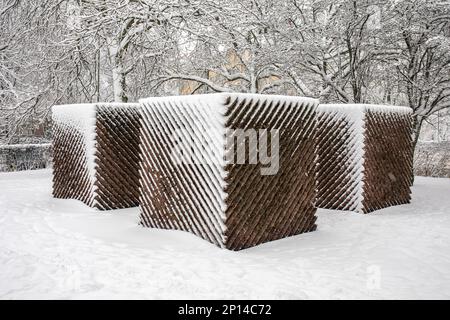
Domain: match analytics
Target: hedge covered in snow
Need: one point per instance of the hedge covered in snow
(25, 157)
(432, 159)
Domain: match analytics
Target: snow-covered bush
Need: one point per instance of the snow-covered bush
(432, 159)
(19, 157)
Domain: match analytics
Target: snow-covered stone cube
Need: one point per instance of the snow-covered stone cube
(234, 169)
(96, 154)
(364, 156)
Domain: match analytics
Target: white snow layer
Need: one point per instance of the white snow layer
(25, 146)
(221, 97)
(347, 108)
(61, 249)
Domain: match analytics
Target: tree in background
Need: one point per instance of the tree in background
(69, 51)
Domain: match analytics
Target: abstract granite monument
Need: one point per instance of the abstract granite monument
(365, 156)
(234, 169)
(96, 154)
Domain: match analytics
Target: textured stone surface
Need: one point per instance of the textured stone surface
(25, 157)
(96, 154)
(432, 159)
(364, 157)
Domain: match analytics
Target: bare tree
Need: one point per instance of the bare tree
(423, 28)
(67, 51)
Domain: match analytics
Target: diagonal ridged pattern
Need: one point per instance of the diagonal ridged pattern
(177, 195)
(96, 151)
(263, 208)
(231, 205)
(71, 176)
(117, 156)
(339, 162)
(388, 167)
(364, 157)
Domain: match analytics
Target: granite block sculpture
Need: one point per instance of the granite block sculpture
(96, 154)
(234, 169)
(364, 156)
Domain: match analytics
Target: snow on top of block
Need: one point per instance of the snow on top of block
(390, 109)
(114, 105)
(187, 98)
(354, 115)
(357, 108)
(220, 98)
(293, 99)
(353, 112)
(79, 114)
(80, 111)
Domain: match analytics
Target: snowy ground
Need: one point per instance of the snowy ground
(52, 248)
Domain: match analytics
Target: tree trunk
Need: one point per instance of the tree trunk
(119, 84)
(118, 75)
(417, 125)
